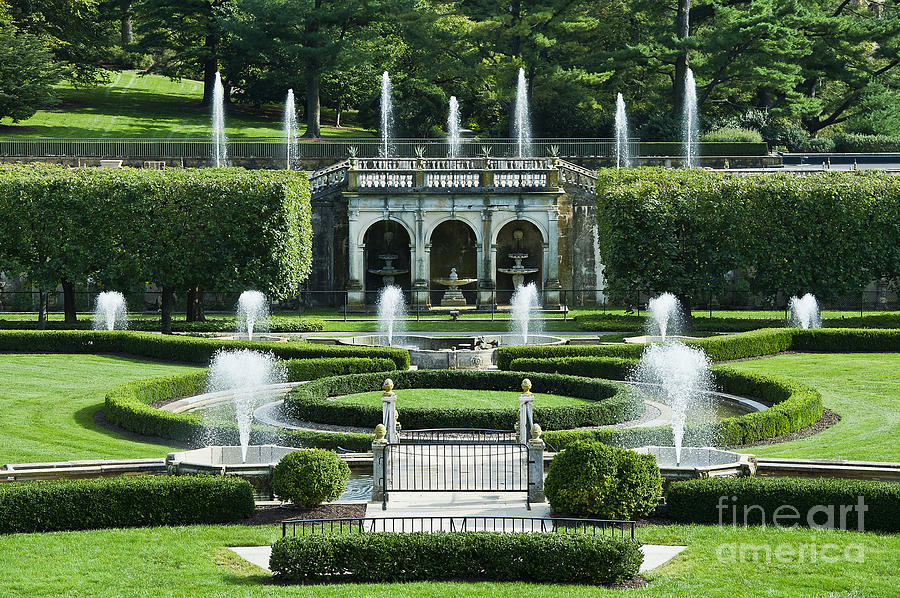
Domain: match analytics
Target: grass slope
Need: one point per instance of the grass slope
(863, 388)
(133, 105)
(48, 404)
(193, 562)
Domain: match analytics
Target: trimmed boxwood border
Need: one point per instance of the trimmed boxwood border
(128, 406)
(727, 347)
(697, 501)
(122, 501)
(418, 556)
(186, 349)
(612, 402)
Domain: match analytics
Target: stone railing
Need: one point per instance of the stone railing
(332, 177)
(449, 173)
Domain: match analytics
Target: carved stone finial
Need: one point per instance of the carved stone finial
(380, 432)
(388, 387)
(536, 431)
(526, 386)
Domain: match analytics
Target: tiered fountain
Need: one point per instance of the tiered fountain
(453, 297)
(518, 271)
(388, 272)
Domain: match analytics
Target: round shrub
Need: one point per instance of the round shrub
(309, 477)
(590, 479)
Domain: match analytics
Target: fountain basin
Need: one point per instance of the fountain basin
(226, 460)
(699, 462)
(452, 352)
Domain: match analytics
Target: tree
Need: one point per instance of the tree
(184, 37)
(27, 74)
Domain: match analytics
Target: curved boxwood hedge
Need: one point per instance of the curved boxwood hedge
(390, 557)
(276, 324)
(728, 347)
(128, 406)
(623, 323)
(696, 501)
(795, 406)
(613, 402)
(123, 501)
(176, 348)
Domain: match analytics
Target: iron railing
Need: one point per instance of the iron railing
(317, 149)
(457, 436)
(363, 525)
(456, 467)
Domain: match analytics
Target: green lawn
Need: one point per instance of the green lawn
(48, 404)
(455, 398)
(134, 105)
(193, 562)
(863, 388)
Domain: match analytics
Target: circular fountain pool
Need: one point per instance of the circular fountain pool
(452, 352)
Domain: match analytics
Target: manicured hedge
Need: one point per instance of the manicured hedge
(128, 406)
(482, 556)
(855, 143)
(728, 347)
(308, 478)
(671, 148)
(697, 501)
(276, 325)
(176, 348)
(796, 406)
(123, 501)
(609, 368)
(613, 402)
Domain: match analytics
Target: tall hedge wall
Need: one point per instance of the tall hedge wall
(227, 229)
(684, 230)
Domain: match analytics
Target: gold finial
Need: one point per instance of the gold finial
(388, 387)
(380, 432)
(536, 431)
(526, 386)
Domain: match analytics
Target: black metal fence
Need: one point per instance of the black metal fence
(457, 436)
(362, 525)
(456, 467)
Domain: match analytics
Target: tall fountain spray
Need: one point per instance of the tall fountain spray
(805, 312)
(622, 157)
(243, 372)
(664, 315)
(252, 313)
(391, 313)
(291, 145)
(220, 152)
(525, 300)
(454, 142)
(690, 126)
(521, 118)
(683, 375)
(387, 116)
(110, 312)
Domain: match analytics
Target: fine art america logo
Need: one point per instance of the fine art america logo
(829, 517)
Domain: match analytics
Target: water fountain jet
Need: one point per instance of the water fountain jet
(522, 118)
(110, 311)
(805, 312)
(387, 116)
(252, 313)
(391, 313)
(689, 123)
(220, 151)
(622, 155)
(292, 146)
(244, 373)
(525, 300)
(454, 141)
(664, 315)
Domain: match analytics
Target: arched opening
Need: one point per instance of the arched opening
(387, 258)
(453, 246)
(520, 257)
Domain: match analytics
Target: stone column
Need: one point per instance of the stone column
(486, 282)
(389, 414)
(536, 466)
(380, 465)
(551, 263)
(526, 411)
(355, 294)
